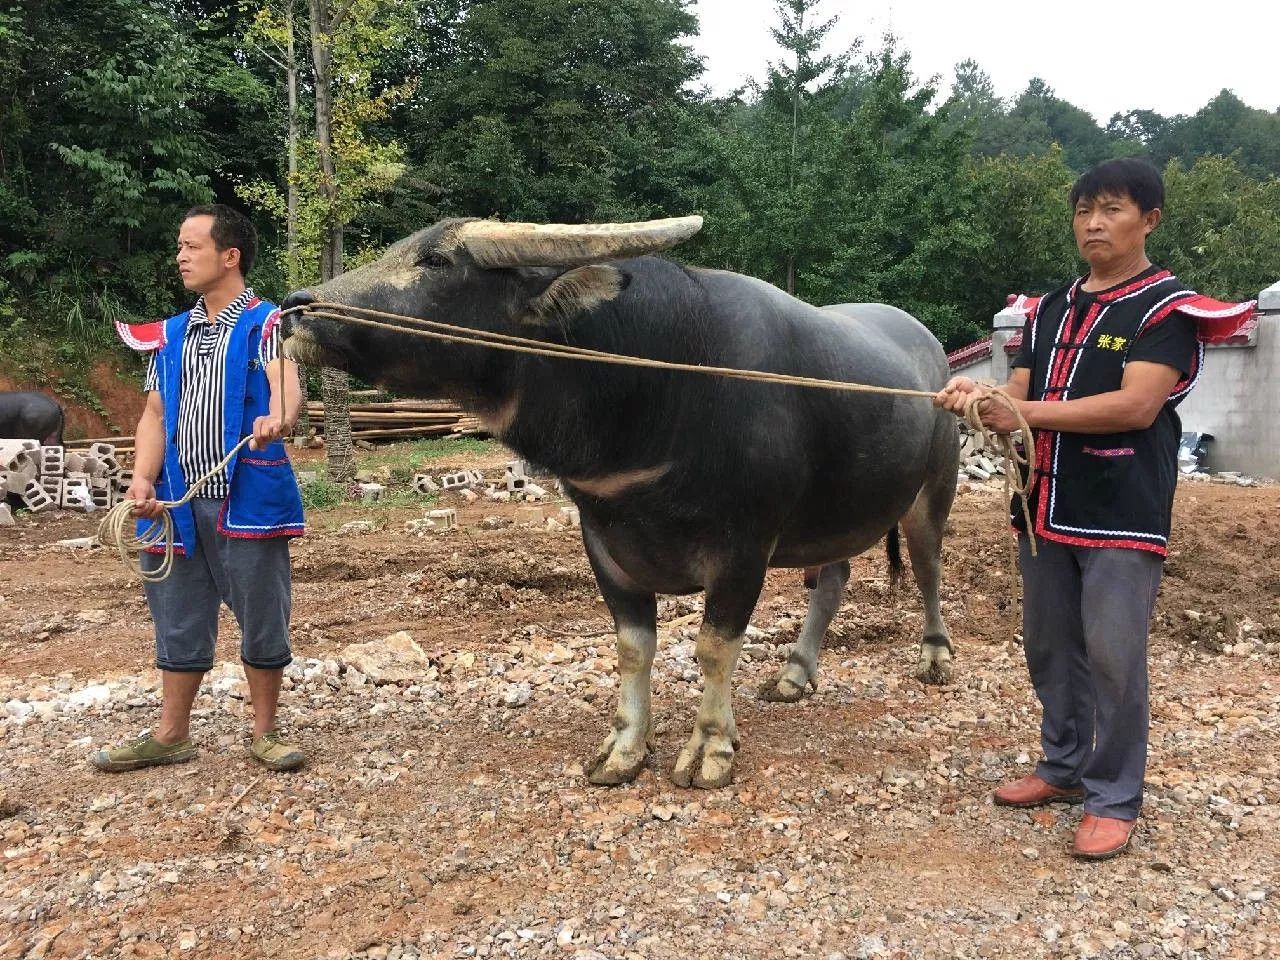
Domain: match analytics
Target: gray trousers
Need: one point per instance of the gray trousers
(1086, 613)
(250, 576)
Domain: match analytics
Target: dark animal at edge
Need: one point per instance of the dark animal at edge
(28, 415)
(685, 482)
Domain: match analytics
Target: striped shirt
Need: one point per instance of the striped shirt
(200, 414)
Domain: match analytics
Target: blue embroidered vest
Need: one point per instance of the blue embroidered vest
(264, 500)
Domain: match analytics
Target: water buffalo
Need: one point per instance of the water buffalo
(685, 482)
(30, 416)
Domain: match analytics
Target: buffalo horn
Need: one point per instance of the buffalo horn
(494, 244)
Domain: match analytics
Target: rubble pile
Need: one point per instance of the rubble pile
(978, 460)
(54, 477)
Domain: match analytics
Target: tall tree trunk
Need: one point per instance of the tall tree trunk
(335, 385)
(791, 169)
(302, 427)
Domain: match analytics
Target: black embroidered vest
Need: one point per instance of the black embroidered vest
(1115, 489)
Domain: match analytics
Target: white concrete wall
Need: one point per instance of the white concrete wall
(1238, 398)
(977, 370)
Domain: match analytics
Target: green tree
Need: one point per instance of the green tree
(552, 110)
(1221, 228)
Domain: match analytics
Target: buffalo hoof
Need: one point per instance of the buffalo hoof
(782, 689)
(934, 665)
(613, 763)
(706, 762)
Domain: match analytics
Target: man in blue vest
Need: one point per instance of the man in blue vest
(1104, 362)
(216, 376)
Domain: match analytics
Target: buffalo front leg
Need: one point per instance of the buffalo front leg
(923, 526)
(707, 759)
(801, 669)
(635, 616)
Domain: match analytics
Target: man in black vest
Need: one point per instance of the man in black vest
(1103, 363)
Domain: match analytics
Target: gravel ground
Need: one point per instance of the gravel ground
(447, 815)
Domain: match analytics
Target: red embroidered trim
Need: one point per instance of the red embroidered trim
(291, 531)
(258, 462)
(1086, 542)
(273, 318)
(1134, 287)
(1163, 313)
(1108, 451)
(1186, 382)
(268, 535)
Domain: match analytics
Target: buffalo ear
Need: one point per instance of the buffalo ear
(575, 292)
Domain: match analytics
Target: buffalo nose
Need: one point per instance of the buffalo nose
(299, 298)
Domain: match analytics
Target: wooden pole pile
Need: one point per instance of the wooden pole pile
(393, 420)
(403, 419)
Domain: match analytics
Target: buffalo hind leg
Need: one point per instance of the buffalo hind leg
(707, 759)
(635, 616)
(923, 527)
(801, 669)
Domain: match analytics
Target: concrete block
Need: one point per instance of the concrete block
(15, 456)
(105, 454)
(52, 461)
(37, 498)
(570, 517)
(73, 462)
(6, 515)
(977, 473)
(445, 519)
(372, 491)
(424, 484)
(516, 476)
(456, 481)
(530, 517)
(74, 494)
(419, 527)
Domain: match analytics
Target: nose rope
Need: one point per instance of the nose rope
(1016, 460)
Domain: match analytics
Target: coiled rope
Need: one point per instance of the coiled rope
(116, 530)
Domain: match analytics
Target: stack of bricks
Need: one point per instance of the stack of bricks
(54, 478)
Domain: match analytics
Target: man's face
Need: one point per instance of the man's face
(1111, 229)
(200, 263)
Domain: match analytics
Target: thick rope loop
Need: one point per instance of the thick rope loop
(116, 530)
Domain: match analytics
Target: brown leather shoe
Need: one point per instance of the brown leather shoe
(1033, 792)
(1101, 838)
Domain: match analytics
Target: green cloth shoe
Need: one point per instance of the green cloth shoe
(145, 751)
(274, 753)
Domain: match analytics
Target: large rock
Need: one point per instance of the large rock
(393, 659)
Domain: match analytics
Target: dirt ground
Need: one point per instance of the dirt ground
(449, 816)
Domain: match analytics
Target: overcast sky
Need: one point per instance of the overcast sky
(1171, 56)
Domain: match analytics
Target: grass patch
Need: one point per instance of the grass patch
(322, 494)
(409, 456)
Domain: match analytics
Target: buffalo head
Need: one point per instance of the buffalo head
(525, 279)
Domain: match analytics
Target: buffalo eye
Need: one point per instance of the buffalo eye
(434, 261)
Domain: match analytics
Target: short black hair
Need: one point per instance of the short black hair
(231, 228)
(1137, 179)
